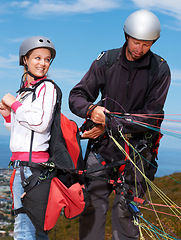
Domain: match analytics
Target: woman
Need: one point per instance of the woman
(23, 116)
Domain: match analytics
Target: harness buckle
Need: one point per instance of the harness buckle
(128, 136)
(142, 147)
(25, 182)
(16, 164)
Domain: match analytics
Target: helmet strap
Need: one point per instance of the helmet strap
(22, 78)
(32, 75)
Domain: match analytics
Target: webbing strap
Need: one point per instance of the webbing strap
(32, 132)
(99, 158)
(11, 186)
(121, 169)
(15, 212)
(157, 143)
(31, 181)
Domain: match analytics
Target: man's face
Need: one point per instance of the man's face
(137, 48)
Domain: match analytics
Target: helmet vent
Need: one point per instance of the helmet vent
(33, 43)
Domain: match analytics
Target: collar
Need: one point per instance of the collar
(25, 88)
(143, 62)
(34, 82)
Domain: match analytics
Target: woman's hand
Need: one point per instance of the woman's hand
(94, 132)
(98, 117)
(4, 109)
(8, 99)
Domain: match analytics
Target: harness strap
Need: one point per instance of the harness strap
(15, 212)
(99, 158)
(30, 182)
(11, 186)
(157, 143)
(27, 183)
(32, 132)
(122, 168)
(22, 173)
(18, 163)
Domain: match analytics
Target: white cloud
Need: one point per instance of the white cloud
(38, 8)
(20, 4)
(176, 77)
(171, 8)
(8, 63)
(176, 74)
(62, 7)
(17, 40)
(66, 75)
(172, 123)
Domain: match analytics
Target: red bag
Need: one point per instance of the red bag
(44, 203)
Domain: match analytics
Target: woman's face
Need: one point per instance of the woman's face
(38, 61)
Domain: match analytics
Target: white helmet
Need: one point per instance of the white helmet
(142, 25)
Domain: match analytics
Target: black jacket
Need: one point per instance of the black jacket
(126, 90)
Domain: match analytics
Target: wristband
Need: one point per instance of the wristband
(90, 110)
(7, 118)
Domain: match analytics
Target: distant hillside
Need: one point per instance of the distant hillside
(68, 229)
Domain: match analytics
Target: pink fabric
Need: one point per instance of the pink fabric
(8, 118)
(71, 199)
(15, 106)
(34, 82)
(40, 90)
(37, 157)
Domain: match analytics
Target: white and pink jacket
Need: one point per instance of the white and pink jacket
(27, 116)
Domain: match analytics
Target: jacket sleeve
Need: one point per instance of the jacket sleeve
(87, 90)
(7, 122)
(37, 115)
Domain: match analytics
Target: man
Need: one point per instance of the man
(134, 83)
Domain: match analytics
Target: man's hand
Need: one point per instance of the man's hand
(98, 115)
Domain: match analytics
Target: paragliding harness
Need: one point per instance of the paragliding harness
(58, 184)
(120, 168)
(116, 170)
(54, 185)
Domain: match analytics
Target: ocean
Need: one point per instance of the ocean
(169, 160)
(5, 152)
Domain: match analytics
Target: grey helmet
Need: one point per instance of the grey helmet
(33, 43)
(142, 25)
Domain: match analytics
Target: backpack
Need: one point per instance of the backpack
(65, 139)
(54, 185)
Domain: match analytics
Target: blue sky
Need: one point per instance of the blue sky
(80, 30)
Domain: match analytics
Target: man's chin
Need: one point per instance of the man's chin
(136, 57)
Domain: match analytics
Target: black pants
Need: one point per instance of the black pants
(92, 222)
